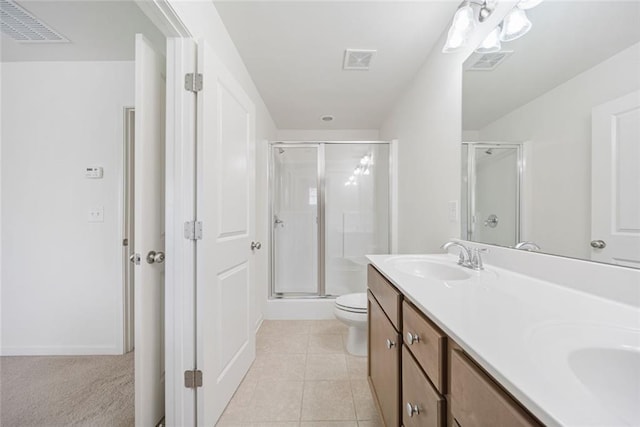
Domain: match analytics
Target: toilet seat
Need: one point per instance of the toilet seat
(353, 303)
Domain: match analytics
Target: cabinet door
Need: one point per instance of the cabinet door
(422, 404)
(384, 363)
(476, 401)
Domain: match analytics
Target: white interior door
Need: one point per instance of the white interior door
(225, 204)
(149, 233)
(616, 181)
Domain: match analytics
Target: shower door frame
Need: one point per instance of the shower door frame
(471, 182)
(321, 193)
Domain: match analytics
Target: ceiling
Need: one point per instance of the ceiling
(567, 38)
(294, 52)
(91, 28)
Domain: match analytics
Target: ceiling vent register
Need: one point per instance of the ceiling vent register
(357, 59)
(489, 61)
(20, 25)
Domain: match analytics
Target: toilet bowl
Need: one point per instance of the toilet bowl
(351, 309)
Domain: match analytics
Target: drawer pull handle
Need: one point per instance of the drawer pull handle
(390, 344)
(412, 409)
(412, 338)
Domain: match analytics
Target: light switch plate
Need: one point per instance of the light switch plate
(96, 214)
(452, 207)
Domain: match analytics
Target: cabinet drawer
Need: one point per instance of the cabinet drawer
(477, 401)
(426, 342)
(384, 364)
(386, 295)
(422, 404)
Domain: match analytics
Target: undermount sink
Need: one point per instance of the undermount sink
(604, 360)
(427, 268)
(613, 375)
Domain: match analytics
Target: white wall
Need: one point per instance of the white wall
(427, 123)
(62, 290)
(203, 21)
(560, 146)
(327, 135)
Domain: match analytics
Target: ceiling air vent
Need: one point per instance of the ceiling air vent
(489, 61)
(22, 26)
(357, 59)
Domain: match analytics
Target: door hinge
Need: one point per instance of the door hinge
(193, 230)
(193, 378)
(193, 82)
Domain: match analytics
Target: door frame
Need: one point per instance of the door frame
(127, 226)
(180, 402)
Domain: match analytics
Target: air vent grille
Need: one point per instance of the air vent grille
(357, 59)
(20, 25)
(489, 61)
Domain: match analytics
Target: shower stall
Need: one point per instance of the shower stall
(329, 207)
(491, 187)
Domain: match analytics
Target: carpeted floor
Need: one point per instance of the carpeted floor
(65, 391)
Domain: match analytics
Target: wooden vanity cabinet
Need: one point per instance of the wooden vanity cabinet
(421, 377)
(476, 400)
(384, 363)
(422, 405)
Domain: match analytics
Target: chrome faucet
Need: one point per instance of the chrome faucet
(527, 246)
(468, 258)
(465, 255)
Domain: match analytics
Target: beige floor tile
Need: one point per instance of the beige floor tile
(370, 423)
(326, 343)
(282, 367)
(276, 424)
(285, 327)
(357, 367)
(366, 409)
(361, 389)
(232, 416)
(326, 367)
(276, 401)
(285, 343)
(327, 401)
(329, 424)
(333, 326)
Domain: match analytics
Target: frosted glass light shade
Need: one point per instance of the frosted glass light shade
(528, 4)
(515, 25)
(461, 28)
(491, 43)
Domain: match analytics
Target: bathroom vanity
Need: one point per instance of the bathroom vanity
(449, 346)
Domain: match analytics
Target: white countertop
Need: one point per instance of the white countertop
(564, 354)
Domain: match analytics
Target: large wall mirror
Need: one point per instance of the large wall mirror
(551, 134)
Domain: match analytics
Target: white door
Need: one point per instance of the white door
(149, 233)
(225, 337)
(615, 222)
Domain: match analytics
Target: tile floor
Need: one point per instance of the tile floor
(303, 377)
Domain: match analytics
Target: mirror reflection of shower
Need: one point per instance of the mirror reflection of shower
(329, 208)
(491, 183)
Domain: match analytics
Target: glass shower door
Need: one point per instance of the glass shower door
(356, 190)
(294, 220)
(492, 193)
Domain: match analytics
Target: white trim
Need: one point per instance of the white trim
(180, 207)
(393, 195)
(164, 17)
(62, 350)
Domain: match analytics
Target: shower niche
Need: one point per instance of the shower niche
(329, 207)
(491, 192)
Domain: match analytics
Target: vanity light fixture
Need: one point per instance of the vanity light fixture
(464, 22)
(515, 25)
(491, 43)
(528, 4)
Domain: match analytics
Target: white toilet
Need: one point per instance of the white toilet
(351, 309)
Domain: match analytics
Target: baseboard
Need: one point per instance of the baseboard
(60, 351)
